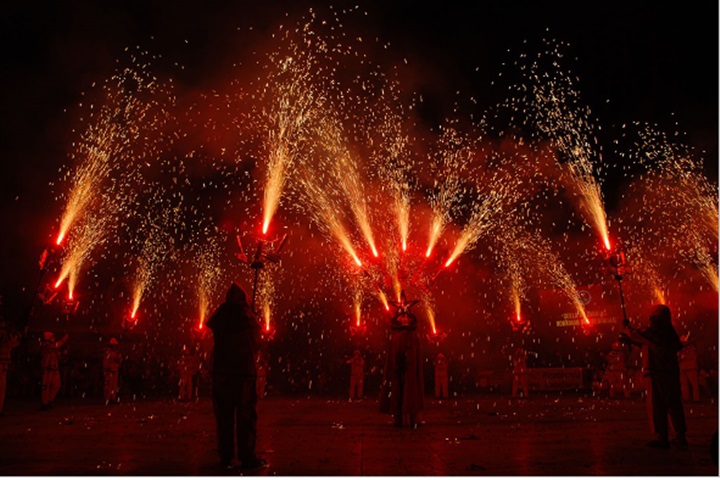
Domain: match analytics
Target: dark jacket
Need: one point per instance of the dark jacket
(236, 335)
(660, 341)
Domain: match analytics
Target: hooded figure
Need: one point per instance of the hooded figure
(236, 334)
(661, 344)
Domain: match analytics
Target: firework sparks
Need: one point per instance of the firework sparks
(555, 108)
(454, 154)
(267, 294)
(154, 251)
(210, 277)
(84, 239)
(429, 306)
(485, 215)
(383, 299)
(357, 307)
(671, 213)
(293, 99)
(347, 176)
(328, 216)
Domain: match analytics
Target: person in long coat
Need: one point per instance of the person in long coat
(403, 370)
(236, 334)
(661, 344)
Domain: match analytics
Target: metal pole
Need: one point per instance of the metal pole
(622, 300)
(257, 271)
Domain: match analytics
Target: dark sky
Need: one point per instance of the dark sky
(655, 61)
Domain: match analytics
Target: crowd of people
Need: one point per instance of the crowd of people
(236, 374)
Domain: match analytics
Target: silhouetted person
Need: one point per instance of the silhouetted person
(357, 375)
(660, 344)
(441, 376)
(50, 363)
(616, 372)
(520, 373)
(188, 366)
(404, 372)
(8, 341)
(112, 359)
(236, 334)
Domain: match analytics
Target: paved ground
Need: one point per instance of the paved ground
(486, 435)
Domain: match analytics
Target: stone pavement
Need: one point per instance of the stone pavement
(482, 435)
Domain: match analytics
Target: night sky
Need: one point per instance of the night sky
(644, 61)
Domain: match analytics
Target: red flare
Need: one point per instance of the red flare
(266, 226)
(60, 238)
